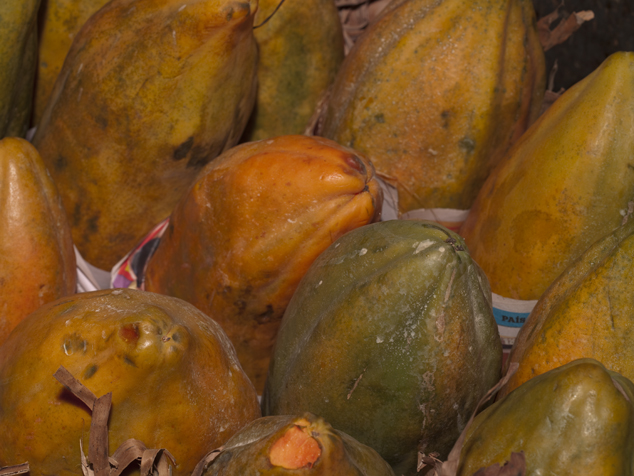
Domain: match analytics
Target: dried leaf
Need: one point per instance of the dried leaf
(427, 460)
(515, 467)
(549, 38)
(13, 470)
(64, 377)
(98, 446)
(206, 461)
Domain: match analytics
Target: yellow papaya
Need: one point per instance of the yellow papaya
(301, 49)
(18, 57)
(37, 259)
(243, 236)
(436, 91)
(61, 20)
(563, 186)
(151, 90)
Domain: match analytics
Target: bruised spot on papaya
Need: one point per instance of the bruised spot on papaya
(356, 163)
(467, 144)
(60, 163)
(91, 223)
(129, 361)
(380, 118)
(199, 157)
(266, 315)
(90, 371)
(130, 333)
(182, 150)
(295, 449)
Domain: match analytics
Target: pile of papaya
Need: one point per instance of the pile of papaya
(269, 186)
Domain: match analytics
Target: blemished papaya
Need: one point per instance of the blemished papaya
(151, 91)
(18, 58)
(175, 380)
(586, 312)
(390, 337)
(289, 445)
(567, 183)
(61, 20)
(300, 52)
(243, 236)
(575, 419)
(436, 91)
(37, 259)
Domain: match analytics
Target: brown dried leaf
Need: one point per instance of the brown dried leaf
(98, 446)
(515, 467)
(64, 377)
(427, 460)
(549, 38)
(13, 470)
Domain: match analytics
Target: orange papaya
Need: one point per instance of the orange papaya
(567, 183)
(435, 92)
(151, 91)
(37, 259)
(243, 236)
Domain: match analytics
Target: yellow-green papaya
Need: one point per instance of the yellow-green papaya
(436, 91)
(567, 183)
(18, 57)
(301, 49)
(151, 91)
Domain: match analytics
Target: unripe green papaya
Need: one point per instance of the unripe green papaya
(18, 57)
(151, 90)
(301, 49)
(295, 445)
(565, 184)
(390, 337)
(436, 91)
(577, 419)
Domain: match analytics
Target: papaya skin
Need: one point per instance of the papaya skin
(575, 419)
(586, 312)
(566, 184)
(37, 259)
(18, 57)
(61, 21)
(263, 211)
(253, 450)
(301, 50)
(435, 92)
(136, 345)
(150, 92)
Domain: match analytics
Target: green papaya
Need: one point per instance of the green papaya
(295, 445)
(390, 337)
(436, 91)
(301, 49)
(151, 91)
(577, 419)
(18, 57)
(567, 183)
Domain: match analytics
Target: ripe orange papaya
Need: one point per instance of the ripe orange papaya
(564, 185)
(18, 57)
(151, 91)
(586, 312)
(241, 239)
(295, 445)
(37, 259)
(174, 377)
(435, 92)
(391, 338)
(575, 419)
(301, 49)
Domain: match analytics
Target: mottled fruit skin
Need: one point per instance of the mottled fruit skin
(174, 378)
(150, 92)
(249, 451)
(567, 183)
(577, 419)
(244, 235)
(18, 57)
(61, 20)
(586, 312)
(436, 91)
(300, 52)
(37, 259)
(391, 338)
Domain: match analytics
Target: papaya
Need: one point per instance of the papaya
(574, 419)
(566, 184)
(18, 62)
(435, 92)
(37, 258)
(149, 93)
(390, 337)
(295, 445)
(300, 52)
(243, 236)
(60, 21)
(174, 377)
(586, 312)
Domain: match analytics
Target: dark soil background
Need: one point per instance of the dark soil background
(611, 30)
